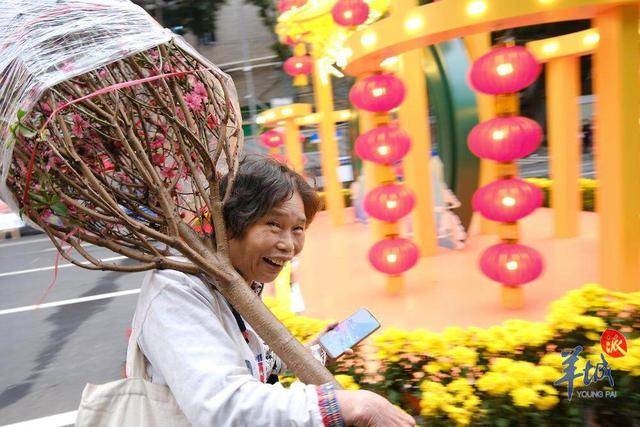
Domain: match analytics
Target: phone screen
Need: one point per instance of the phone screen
(349, 332)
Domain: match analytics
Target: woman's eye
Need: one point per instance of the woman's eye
(273, 224)
(298, 229)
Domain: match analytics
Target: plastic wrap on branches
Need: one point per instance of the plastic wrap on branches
(96, 91)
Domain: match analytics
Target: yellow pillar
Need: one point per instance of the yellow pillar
(478, 45)
(283, 286)
(366, 122)
(563, 90)
(413, 115)
(293, 145)
(617, 132)
(329, 154)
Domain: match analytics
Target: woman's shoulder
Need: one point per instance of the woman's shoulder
(158, 281)
(171, 287)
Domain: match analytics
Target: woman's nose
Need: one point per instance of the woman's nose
(286, 243)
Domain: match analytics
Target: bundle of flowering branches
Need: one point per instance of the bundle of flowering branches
(125, 147)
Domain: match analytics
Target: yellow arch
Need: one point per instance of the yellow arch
(436, 22)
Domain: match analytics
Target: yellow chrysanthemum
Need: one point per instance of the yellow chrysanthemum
(347, 382)
(495, 383)
(524, 396)
(463, 356)
(552, 359)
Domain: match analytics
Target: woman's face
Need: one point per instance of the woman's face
(269, 243)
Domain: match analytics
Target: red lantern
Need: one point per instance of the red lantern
(291, 41)
(350, 13)
(298, 65)
(285, 5)
(511, 264)
(505, 139)
(507, 200)
(393, 256)
(389, 202)
(378, 93)
(504, 70)
(384, 145)
(272, 138)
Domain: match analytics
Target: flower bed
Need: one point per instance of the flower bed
(588, 189)
(503, 375)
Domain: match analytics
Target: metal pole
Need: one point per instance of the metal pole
(248, 75)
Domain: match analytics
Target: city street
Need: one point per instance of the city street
(49, 353)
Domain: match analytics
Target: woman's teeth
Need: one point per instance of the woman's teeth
(274, 262)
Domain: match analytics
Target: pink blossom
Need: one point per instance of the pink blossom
(79, 125)
(168, 172)
(158, 159)
(200, 90)
(158, 141)
(194, 101)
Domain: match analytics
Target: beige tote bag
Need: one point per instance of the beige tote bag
(134, 401)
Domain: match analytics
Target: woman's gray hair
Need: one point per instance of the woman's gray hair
(263, 183)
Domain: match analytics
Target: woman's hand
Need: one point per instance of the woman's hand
(330, 361)
(363, 408)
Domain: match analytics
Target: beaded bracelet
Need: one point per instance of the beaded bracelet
(329, 408)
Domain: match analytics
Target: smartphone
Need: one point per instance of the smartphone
(349, 332)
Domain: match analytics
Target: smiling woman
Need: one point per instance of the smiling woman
(266, 217)
(219, 370)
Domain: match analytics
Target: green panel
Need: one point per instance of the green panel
(454, 106)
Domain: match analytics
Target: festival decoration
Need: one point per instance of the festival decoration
(286, 5)
(350, 13)
(385, 145)
(272, 138)
(503, 72)
(390, 202)
(377, 93)
(513, 138)
(298, 65)
(507, 200)
(393, 256)
(511, 264)
(507, 69)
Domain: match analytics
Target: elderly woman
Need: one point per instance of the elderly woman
(219, 370)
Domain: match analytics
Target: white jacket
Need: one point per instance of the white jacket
(193, 344)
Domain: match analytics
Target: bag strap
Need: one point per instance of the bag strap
(135, 358)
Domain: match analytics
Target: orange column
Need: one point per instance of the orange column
(563, 90)
(617, 146)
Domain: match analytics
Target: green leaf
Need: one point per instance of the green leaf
(38, 197)
(26, 131)
(21, 114)
(59, 209)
